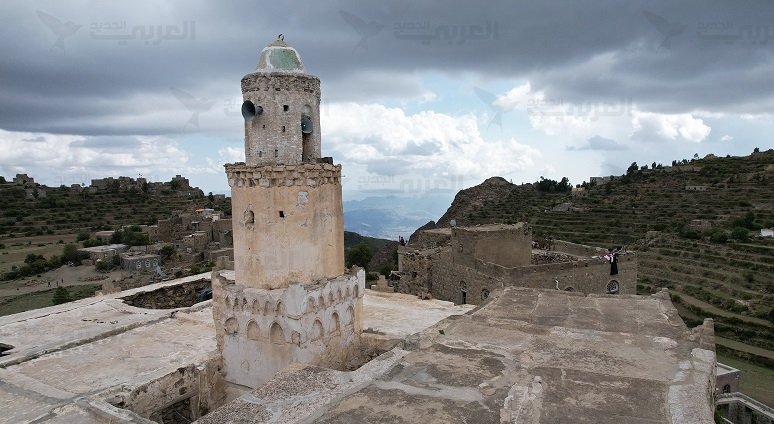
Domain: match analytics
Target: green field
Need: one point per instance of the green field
(41, 299)
(756, 382)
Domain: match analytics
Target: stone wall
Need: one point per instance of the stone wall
(260, 332)
(182, 396)
(440, 273)
(507, 245)
(170, 297)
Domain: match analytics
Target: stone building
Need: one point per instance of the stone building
(139, 261)
(105, 252)
(464, 265)
(288, 298)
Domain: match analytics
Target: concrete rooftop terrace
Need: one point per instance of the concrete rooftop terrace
(68, 359)
(524, 356)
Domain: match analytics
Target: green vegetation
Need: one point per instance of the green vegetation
(359, 255)
(61, 295)
(41, 299)
(132, 236)
(167, 251)
(353, 239)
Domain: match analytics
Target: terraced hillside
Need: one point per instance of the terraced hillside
(67, 211)
(695, 227)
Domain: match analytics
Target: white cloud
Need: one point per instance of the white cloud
(650, 125)
(726, 138)
(62, 159)
(231, 155)
(389, 142)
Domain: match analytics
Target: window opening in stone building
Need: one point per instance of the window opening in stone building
(282, 214)
(260, 153)
(727, 388)
(276, 153)
(283, 128)
(612, 287)
(263, 127)
(285, 108)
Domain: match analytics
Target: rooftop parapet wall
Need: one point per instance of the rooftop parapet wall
(577, 249)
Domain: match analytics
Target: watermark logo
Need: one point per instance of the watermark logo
(490, 99)
(587, 110)
(194, 105)
(149, 34)
(667, 29)
(426, 33)
(61, 30)
(423, 32)
(363, 29)
(726, 32)
(413, 187)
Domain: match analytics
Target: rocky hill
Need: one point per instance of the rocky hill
(696, 226)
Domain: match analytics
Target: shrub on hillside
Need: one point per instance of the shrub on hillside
(61, 295)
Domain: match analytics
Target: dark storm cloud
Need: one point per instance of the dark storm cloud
(580, 52)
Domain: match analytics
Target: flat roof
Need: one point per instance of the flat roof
(525, 355)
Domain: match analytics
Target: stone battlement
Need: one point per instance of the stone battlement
(306, 174)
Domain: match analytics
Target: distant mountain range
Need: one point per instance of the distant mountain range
(392, 216)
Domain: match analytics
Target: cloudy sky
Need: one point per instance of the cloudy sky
(417, 95)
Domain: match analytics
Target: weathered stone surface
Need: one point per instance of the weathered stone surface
(525, 356)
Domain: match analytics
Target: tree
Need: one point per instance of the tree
(82, 236)
(2, 179)
(740, 233)
(167, 251)
(61, 295)
(756, 150)
(70, 253)
(653, 165)
(632, 168)
(359, 255)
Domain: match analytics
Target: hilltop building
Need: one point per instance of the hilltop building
(466, 264)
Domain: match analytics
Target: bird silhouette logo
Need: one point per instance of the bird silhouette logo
(194, 105)
(665, 28)
(491, 100)
(363, 29)
(61, 30)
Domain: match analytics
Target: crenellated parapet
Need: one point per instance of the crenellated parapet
(307, 174)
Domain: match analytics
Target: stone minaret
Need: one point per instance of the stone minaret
(289, 298)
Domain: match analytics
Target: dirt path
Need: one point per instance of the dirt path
(733, 344)
(65, 275)
(717, 311)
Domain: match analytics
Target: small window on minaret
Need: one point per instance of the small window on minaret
(285, 108)
(263, 127)
(283, 128)
(282, 214)
(260, 153)
(276, 153)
